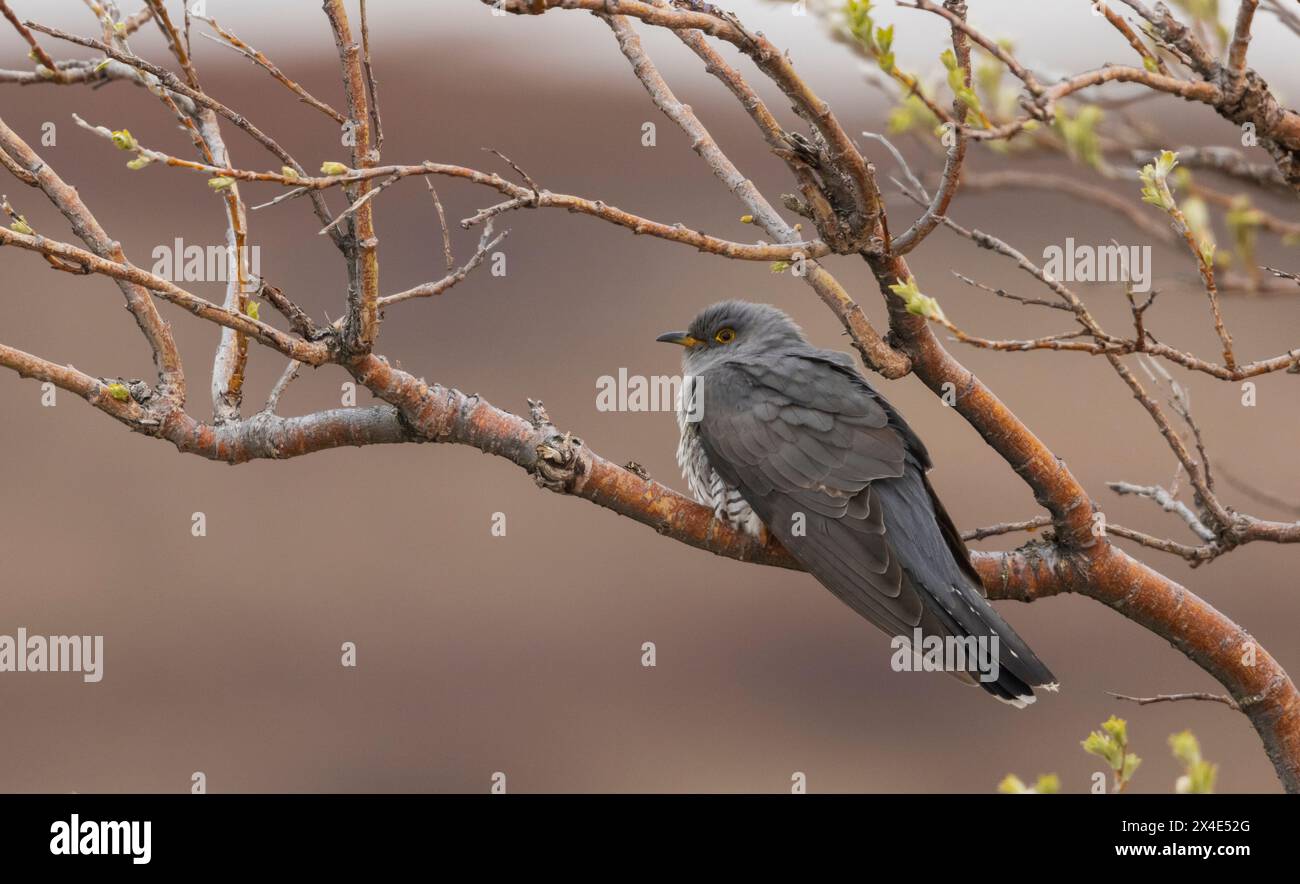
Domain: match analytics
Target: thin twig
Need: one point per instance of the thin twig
(1174, 698)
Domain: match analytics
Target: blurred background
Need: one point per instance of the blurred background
(522, 653)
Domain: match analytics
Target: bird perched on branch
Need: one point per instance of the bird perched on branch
(777, 433)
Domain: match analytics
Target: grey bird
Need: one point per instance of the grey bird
(777, 433)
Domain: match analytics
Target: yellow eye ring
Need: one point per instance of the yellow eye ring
(725, 336)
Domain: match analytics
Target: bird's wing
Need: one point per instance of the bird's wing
(840, 479)
(803, 441)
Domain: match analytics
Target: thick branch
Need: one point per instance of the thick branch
(362, 244)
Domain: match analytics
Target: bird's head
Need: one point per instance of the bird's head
(731, 329)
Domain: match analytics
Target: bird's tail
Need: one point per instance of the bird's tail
(1015, 670)
(937, 563)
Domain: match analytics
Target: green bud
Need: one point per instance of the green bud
(251, 309)
(917, 303)
(1012, 785)
(333, 168)
(1047, 784)
(119, 392)
(221, 182)
(1207, 249)
(123, 139)
(20, 225)
(138, 163)
(1165, 163)
(1185, 747)
(289, 172)
(1200, 774)
(1155, 184)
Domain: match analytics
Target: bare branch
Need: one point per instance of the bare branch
(287, 377)
(485, 245)
(1174, 698)
(66, 200)
(1166, 502)
(229, 39)
(955, 12)
(1000, 528)
(305, 351)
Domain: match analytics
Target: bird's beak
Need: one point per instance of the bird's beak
(681, 338)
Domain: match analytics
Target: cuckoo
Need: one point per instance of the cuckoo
(781, 436)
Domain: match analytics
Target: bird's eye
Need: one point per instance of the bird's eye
(725, 336)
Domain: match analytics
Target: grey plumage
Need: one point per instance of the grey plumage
(789, 434)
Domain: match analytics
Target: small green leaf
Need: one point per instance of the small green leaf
(1117, 728)
(123, 139)
(885, 38)
(857, 17)
(1165, 163)
(1104, 747)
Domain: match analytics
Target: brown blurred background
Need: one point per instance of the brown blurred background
(522, 653)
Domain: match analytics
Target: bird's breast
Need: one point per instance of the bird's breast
(709, 488)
